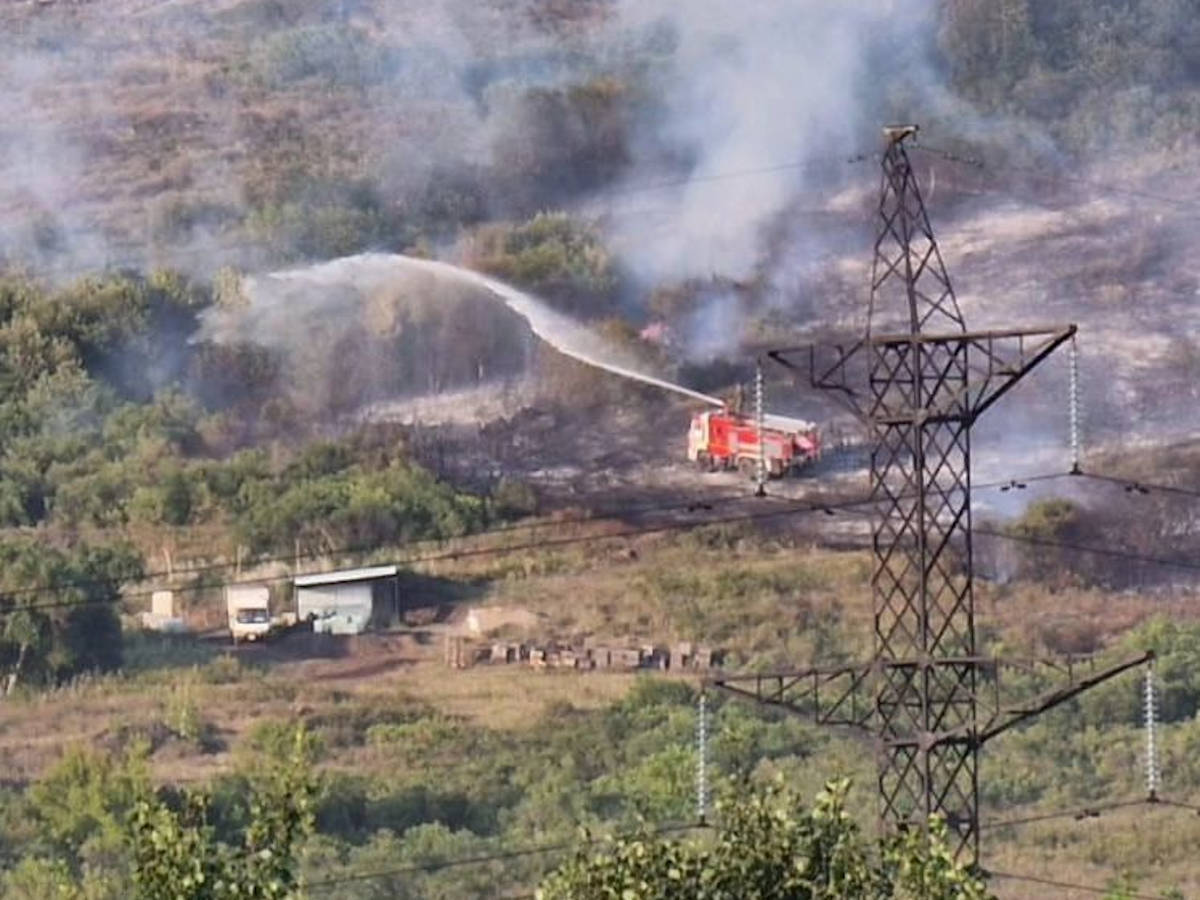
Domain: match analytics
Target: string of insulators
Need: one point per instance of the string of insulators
(1153, 779)
(1074, 407)
(759, 424)
(702, 759)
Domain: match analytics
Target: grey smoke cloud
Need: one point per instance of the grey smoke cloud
(755, 84)
(714, 328)
(42, 165)
(741, 85)
(735, 88)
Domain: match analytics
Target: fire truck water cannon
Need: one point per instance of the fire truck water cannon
(723, 439)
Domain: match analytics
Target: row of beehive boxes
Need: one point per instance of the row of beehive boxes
(681, 656)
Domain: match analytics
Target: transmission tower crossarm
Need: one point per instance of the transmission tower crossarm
(996, 360)
(834, 376)
(1011, 716)
(829, 696)
(827, 376)
(1003, 371)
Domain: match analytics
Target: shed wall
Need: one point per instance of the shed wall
(336, 608)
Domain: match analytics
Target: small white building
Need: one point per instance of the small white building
(349, 601)
(163, 615)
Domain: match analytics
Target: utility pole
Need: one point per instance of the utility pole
(919, 380)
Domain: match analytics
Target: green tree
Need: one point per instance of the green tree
(177, 856)
(86, 797)
(769, 847)
(176, 498)
(51, 636)
(920, 867)
(1042, 527)
(29, 634)
(37, 878)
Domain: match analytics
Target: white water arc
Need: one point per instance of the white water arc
(563, 333)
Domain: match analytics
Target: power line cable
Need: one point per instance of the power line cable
(132, 263)
(789, 508)
(562, 847)
(703, 503)
(1191, 807)
(833, 507)
(1043, 175)
(1078, 814)
(416, 868)
(792, 508)
(1091, 550)
(948, 155)
(830, 508)
(140, 264)
(1135, 486)
(592, 516)
(771, 169)
(1065, 885)
(1129, 486)
(473, 552)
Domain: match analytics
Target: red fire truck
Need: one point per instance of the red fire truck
(724, 440)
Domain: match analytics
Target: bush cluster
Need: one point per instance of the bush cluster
(1096, 76)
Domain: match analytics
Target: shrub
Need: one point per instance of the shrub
(513, 499)
(556, 143)
(178, 218)
(1051, 521)
(276, 740)
(557, 257)
(321, 230)
(331, 55)
(85, 796)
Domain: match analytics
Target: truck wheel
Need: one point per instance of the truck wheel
(703, 463)
(747, 467)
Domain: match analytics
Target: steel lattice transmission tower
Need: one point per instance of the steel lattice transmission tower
(920, 412)
(919, 379)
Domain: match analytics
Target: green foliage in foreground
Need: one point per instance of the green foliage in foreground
(177, 855)
(106, 833)
(412, 789)
(769, 847)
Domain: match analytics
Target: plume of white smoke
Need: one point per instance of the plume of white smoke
(739, 86)
(42, 166)
(714, 328)
(764, 87)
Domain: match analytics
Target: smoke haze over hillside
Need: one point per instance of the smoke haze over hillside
(273, 134)
(442, 97)
(789, 88)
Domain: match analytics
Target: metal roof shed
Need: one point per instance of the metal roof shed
(349, 601)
